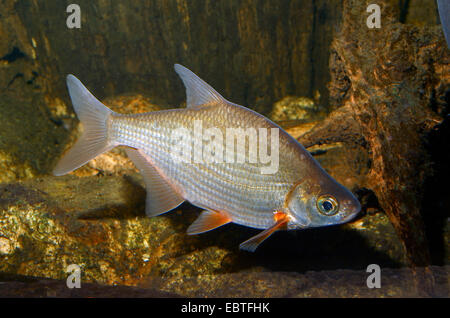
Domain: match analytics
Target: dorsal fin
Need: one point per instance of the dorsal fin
(198, 92)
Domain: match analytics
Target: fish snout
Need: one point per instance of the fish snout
(350, 209)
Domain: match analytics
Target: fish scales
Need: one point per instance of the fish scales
(240, 189)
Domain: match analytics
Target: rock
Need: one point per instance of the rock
(19, 286)
(98, 222)
(131, 104)
(29, 141)
(295, 108)
(323, 284)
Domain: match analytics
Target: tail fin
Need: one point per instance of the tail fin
(94, 139)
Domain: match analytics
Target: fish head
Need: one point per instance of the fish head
(315, 204)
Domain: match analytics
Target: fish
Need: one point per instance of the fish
(286, 190)
(444, 15)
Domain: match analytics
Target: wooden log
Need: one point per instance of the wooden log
(391, 84)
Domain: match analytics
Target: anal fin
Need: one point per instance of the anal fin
(281, 220)
(161, 196)
(208, 220)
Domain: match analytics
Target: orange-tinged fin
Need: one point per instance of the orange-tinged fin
(94, 139)
(161, 197)
(251, 244)
(198, 92)
(207, 221)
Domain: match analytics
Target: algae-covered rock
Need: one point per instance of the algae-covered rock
(98, 223)
(295, 108)
(29, 140)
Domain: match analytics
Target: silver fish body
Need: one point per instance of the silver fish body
(298, 194)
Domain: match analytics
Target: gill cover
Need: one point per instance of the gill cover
(297, 202)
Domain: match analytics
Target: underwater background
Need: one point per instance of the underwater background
(371, 105)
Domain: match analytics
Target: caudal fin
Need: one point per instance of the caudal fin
(94, 139)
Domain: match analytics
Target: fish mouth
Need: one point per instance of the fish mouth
(350, 217)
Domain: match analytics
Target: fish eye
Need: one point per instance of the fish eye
(327, 205)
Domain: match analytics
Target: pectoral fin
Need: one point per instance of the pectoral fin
(207, 221)
(161, 197)
(281, 220)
